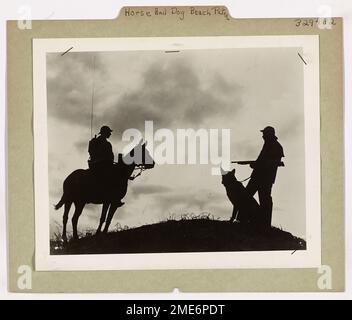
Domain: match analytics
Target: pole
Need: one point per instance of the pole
(92, 106)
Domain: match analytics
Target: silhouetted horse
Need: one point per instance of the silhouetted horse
(85, 186)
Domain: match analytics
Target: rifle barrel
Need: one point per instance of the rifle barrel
(281, 163)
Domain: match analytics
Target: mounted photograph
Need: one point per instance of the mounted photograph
(177, 153)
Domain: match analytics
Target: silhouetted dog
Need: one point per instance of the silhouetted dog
(245, 208)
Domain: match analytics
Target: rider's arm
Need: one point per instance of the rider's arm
(111, 154)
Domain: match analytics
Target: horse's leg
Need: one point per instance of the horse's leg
(78, 211)
(103, 216)
(111, 213)
(65, 219)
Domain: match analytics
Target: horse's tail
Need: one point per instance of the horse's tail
(60, 203)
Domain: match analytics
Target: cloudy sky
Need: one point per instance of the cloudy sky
(243, 90)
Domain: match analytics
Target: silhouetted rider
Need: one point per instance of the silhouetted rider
(100, 150)
(264, 173)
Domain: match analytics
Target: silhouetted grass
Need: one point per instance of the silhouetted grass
(192, 233)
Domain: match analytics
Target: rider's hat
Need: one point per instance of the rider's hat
(105, 129)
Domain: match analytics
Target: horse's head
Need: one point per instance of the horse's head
(140, 156)
(145, 160)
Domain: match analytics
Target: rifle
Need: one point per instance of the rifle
(251, 162)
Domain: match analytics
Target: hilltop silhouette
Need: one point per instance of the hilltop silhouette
(188, 235)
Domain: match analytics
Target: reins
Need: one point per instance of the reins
(141, 169)
(246, 179)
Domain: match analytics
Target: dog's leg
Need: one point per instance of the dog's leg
(234, 216)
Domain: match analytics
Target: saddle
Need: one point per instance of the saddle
(100, 179)
(105, 183)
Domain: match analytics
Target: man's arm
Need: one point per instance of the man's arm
(270, 156)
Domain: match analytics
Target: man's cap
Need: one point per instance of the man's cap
(105, 129)
(269, 130)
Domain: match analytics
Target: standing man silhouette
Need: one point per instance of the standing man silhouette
(264, 173)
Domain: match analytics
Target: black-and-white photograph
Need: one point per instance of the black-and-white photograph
(177, 150)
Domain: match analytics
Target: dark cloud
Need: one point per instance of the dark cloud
(222, 86)
(69, 86)
(171, 94)
(149, 189)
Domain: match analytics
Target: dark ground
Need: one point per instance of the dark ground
(198, 235)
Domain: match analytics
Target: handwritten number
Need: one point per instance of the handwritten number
(313, 22)
(298, 22)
